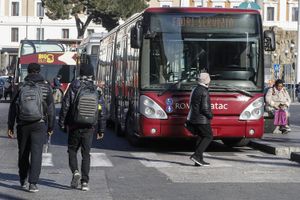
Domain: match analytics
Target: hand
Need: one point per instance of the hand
(10, 133)
(50, 132)
(100, 136)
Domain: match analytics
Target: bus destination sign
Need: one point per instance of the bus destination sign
(204, 22)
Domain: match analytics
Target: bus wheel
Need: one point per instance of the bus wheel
(130, 135)
(236, 142)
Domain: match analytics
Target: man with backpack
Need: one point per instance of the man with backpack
(79, 114)
(32, 108)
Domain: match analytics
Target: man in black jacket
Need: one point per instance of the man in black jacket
(199, 117)
(32, 135)
(79, 136)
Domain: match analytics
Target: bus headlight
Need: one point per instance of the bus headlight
(151, 109)
(254, 111)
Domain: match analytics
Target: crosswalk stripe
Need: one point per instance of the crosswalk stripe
(100, 160)
(47, 159)
(151, 160)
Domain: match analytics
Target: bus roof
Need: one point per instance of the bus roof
(199, 10)
(94, 37)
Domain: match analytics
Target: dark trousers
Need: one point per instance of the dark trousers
(205, 137)
(80, 138)
(30, 141)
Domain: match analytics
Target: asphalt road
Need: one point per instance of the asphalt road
(158, 171)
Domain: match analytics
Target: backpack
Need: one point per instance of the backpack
(85, 105)
(30, 102)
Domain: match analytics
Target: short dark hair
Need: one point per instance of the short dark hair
(33, 68)
(278, 81)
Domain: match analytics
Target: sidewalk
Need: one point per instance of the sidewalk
(287, 145)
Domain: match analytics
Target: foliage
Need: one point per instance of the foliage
(104, 12)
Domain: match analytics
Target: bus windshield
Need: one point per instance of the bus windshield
(225, 45)
(49, 72)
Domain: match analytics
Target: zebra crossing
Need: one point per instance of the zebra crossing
(97, 160)
(181, 160)
(236, 167)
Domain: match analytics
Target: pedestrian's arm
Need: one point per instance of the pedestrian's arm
(269, 97)
(12, 113)
(65, 107)
(205, 107)
(50, 109)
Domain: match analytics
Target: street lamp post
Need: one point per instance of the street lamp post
(298, 46)
(27, 19)
(41, 20)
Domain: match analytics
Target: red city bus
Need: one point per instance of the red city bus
(53, 58)
(150, 64)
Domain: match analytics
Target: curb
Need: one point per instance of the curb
(275, 149)
(295, 156)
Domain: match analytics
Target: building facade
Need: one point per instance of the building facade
(21, 19)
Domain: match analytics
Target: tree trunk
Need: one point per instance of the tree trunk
(81, 27)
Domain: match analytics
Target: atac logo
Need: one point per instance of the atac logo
(169, 103)
(46, 58)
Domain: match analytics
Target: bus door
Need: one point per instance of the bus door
(120, 84)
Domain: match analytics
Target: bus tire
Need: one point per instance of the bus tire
(130, 135)
(236, 142)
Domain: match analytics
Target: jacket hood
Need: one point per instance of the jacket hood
(34, 78)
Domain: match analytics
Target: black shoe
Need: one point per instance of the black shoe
(33, 188)
(198, 161)
(204, 163)
(197, 165)
(75, 179)
(23, 184)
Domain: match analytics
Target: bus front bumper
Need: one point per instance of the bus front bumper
(223, 127)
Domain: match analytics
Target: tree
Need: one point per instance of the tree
(104, 12)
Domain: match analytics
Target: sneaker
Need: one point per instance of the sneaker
(199, 162)
(287, 128)
(33, 188)
(277, 130)
(23, 184)
(75, 179)
(85, 186)
(204, 163)
(197, 165)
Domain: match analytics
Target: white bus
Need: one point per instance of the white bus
(88, 50)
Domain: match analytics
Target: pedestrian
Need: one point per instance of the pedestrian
(33, 110)
(56, 89)
(102, 110)
(8, 88)
(199, 118)
(56, 82)
(277, 98)
(80, 130)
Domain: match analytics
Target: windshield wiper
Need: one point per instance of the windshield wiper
(230, 88)
(171, 86)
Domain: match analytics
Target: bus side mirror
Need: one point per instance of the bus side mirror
(136, 36)
(269, 40)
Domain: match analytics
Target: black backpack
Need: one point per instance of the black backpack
(85, 106)
(30, 102)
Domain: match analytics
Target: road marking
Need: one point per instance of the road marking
(100, 160)
(47, 160)
(151, 160)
